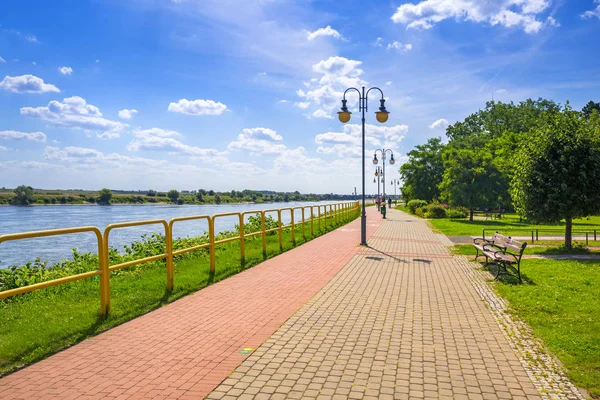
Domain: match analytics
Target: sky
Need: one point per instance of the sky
(239, 94)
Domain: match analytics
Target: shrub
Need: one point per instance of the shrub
(413, 205)
(434, 211)
(457, 213)
(420, 212)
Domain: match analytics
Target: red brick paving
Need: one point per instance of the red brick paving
(184, 350)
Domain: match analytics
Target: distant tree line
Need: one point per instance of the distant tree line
(26, 195)
(537, 157)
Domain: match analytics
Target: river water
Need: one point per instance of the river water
(35, 218)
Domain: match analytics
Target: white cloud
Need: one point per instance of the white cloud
(388, 83)
(154, 132)
(592, 13)
(127, 114)
(65, 70)
(327, 31)
(348, 143)
(378, 42)
(31, 38)
(2, 60)
(325, 92)
(15, 135)
(27, 84)
(509, 13)
(404, 48)
(76, 113)
(321, 114)
(153, 142)
(440, 123)
(198, 107)
(553, 22)
(87, 157)
(259, 141)
(2, 148)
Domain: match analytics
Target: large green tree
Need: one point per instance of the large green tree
(472, 180)
(589, 108)
(422, 173)
(23, 196)
(557, 172)
(104, 196)
(173, 195)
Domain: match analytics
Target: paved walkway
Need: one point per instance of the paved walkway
(403, 319)
(399, 319)
(185, 349)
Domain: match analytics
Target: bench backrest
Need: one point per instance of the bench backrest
(508, 243)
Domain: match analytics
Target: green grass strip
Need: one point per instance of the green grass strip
(38, 324)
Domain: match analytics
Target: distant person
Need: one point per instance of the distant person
(378, 202)
(389, 202)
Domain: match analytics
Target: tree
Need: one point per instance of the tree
(151, 193)
(423, 172)
(23, 196)
(217, 199)
(104, 196)
(589, 108)
(199, 196)
(173, 195)
(211, 192)
(471, 180)
(557, 172)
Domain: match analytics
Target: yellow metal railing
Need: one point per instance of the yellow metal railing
(337, 213)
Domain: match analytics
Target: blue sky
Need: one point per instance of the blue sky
(231, 94)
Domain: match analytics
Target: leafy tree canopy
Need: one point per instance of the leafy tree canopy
(104, 196)
(557, 172)
(23, 196)
(422, 173)
(173, 195)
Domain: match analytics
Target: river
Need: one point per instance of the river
(21, 219)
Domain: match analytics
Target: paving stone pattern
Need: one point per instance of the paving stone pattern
(401, 320)
(185, 349)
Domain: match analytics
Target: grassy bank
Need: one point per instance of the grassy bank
(38, 324)
(561, 302)
(509, 223)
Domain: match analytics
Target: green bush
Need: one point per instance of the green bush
(457, 213)
(434, 211)
(413, 205)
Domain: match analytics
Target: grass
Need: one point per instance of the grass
(39, 324)
(508, 224)
(561, 302)
(469, 250)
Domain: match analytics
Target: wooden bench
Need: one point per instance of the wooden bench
(503, 251)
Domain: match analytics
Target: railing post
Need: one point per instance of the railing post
(280, 229)
(586, 239)
(319, 218)
(594, 235)
(211, 239)
(104, 277)
(293, 229)
(242, 242)
(532, 239)
(264, 234)
(312, 221)
(170, 274)
(537, 237)
(303, 222)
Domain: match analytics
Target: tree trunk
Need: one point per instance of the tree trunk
(568, 233)
(471, 215)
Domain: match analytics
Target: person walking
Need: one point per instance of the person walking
(390, 203)
(378, 202)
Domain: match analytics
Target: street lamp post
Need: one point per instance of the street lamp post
(383, 156)
(395, 182)
(377, 178)
(344, 116)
